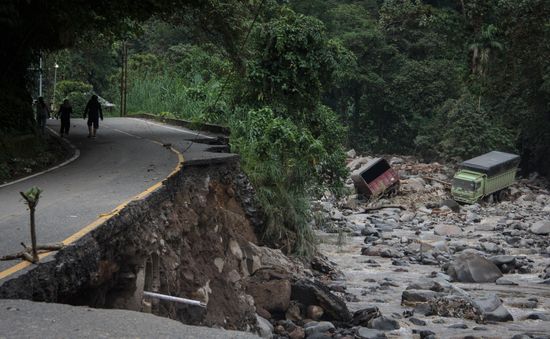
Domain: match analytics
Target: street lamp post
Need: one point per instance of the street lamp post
(56, 66)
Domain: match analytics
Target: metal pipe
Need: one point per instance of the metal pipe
(175, 299)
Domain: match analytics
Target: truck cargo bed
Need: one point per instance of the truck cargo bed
(492, 163)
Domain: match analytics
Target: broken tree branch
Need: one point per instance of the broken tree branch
(368, 209)
(437, 180)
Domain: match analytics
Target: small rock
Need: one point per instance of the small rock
(424, 334)
(264, 327)
(459, 326)
(318, 327)
(451, 204)
(447, 230)
(369, 333)
(417, 321)
(407, 216)
(363, 316)
(314, 312)
(539, 316)
(412, 297)
(503, 281)
(293, 312)
(384, 323)
(297, 333)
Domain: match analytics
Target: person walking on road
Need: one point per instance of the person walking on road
(42, 114)
(65, 111)
(94, 112)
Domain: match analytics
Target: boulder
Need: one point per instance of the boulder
(293, 313)
(416, 321)
(384, 323)
(471, 267)
(451, 204)
(488, 224)
(273, 296)
(541, 227)
(363, 316)
(412, 297)
(311, 292)
(447, 230)
(492, 309)
(265, 328)
(314, 327)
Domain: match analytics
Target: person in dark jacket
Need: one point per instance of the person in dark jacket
(42, 114)
(94, 112)
(65, 111)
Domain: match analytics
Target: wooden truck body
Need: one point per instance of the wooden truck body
(375, 178)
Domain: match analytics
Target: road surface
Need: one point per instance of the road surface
(27, 319)
(125, 159)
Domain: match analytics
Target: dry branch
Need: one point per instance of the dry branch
(368, 209)
(437, 180)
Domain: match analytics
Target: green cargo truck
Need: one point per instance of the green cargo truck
(490, 173)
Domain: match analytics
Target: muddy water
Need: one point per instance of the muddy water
(375, 281)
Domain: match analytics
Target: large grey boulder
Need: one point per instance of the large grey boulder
(447, 230)
(492, 309)
(541, 227)
(471, 267)
(311, 292)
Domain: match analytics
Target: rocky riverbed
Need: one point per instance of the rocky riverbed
(427, 267)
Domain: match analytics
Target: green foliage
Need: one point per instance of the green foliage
(77, 92)
(156, 93)
(32, 195)
(286, 163)
(464, 131)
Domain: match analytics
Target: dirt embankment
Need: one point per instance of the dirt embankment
(192, 238)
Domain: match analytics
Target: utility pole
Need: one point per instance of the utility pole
(123, 78)
(40, 76)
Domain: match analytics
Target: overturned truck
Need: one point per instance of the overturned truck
(376, 178)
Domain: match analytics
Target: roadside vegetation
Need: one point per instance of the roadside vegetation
(299, 82)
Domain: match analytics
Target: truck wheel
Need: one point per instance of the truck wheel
(503, 194)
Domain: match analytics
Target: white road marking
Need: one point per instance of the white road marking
(181, 129)
(73, 158)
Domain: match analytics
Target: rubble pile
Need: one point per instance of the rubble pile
(419, 264)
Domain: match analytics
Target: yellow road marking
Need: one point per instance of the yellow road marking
(102, 218)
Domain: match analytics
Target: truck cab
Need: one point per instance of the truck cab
(467, 186)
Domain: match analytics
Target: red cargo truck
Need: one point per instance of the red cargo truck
(376, 178)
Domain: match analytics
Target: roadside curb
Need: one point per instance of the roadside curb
(218, 129)
(76, 154)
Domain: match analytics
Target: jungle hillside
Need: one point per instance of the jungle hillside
(297, 82)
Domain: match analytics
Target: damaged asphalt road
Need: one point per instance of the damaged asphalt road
(119, 164)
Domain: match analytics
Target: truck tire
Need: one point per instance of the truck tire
(503, 194)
